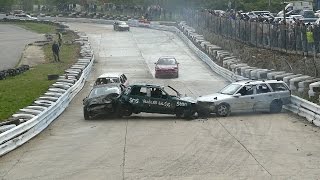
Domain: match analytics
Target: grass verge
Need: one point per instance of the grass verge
(20, 91)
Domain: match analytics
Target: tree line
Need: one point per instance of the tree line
(244, 5)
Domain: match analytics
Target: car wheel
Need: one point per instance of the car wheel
(126, 110)
(223, 110)
(179, 112)
(86, 114)
(276, 106)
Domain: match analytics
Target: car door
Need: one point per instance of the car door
(161, 101)
(263, 97)
(281, 91)
(138, 98)
(246, 100)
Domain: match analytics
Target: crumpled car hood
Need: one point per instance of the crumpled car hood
(104, 99)
(189, 99)
(213, 97)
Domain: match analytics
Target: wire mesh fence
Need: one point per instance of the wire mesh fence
(296, 38)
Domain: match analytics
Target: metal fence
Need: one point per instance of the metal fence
(302, 39)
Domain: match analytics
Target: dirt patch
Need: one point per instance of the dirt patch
(32, 56)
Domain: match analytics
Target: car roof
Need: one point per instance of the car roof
(113, 74)
(167, 57)
(107, 85)
(146, 85)
(253, 82)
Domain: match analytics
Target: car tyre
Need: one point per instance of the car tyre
(86, 114)
(276, 106)
(126, 110)
(180, 112)
(223, 110)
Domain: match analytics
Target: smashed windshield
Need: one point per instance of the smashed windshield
(104, 91)
(230, 89)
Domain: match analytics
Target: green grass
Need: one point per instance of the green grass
(20, 91)
(35, 27)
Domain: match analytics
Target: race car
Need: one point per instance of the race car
(166, 66)
(102, 100)
(121, 26)
(155, 99)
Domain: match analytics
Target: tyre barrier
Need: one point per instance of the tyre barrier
(299, 106)
(13, 71)
(31, 120)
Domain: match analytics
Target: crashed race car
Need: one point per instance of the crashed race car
(102, 100)
(155, 99)
(246, 96)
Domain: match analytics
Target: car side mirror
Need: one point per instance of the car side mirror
(237, 95)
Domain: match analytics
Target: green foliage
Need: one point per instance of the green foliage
(36, 27)
(245, 5)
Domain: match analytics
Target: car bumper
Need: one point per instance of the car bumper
(103, 109)
(206, 107)
(166, 73)
(123, 28)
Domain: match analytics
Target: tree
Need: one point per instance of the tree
(5, 5)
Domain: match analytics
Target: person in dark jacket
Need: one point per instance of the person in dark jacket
(55, 51)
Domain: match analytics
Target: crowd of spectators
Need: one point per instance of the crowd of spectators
(261, 30)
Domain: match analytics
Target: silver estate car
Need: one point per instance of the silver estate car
(246, 96)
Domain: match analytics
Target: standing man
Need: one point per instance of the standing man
(55, 51)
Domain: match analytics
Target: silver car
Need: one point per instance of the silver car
(246, 96)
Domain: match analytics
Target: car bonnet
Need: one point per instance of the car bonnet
(214, 97)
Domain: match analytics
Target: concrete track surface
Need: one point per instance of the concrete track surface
(148, 146)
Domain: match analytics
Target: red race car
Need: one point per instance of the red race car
(167, 67)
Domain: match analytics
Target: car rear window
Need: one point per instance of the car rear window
(278, 87)
(167, 61)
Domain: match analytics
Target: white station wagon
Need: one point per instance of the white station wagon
(246, 96)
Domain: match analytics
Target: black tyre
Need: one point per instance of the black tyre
(179, 112)
(126, 110)
(86, 114)
(276, 106)
(223, 110)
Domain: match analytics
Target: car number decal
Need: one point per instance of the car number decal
(179, 103)
(134, 101)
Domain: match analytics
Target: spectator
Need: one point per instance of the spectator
(55, 51)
